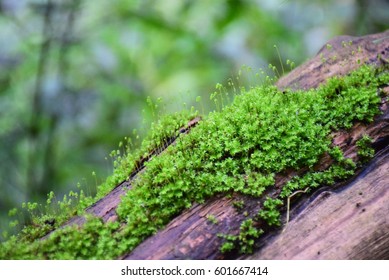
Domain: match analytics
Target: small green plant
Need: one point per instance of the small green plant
(291, 64)
(322, 58)
(270, 212)
(239, 205)
(212, 219)
(365, 151)
(244, 241)
(228, 244)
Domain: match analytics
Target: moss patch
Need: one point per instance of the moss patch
(239, 148)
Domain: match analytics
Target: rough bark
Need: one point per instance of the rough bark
(345, 221)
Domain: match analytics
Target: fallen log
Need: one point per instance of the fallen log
(341, 220)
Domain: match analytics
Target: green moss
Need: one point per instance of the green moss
(46, 218)
(341, 169)
(244, 241)
(88, 242)
(212, 219)
(270, 212)
(239, 148)
(238, 205)
(365, 151)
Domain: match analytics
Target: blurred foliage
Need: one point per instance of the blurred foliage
(75, 74)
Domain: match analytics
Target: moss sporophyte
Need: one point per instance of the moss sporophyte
(238, 149)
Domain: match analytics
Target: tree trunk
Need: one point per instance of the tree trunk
(349, 220)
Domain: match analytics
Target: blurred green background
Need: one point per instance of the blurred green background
(75, 74)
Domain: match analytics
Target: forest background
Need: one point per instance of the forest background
(76, 76)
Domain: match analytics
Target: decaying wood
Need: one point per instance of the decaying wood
(342, 222)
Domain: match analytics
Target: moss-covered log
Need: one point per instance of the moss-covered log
(349, 220)
(296, 170)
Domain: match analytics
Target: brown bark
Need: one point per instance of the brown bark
(345, 221)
